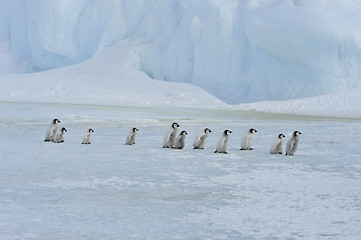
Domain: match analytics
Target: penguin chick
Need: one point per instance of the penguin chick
(179, 144)
(59, 138)
(200, 141)
(223, 142)
(130, 140)
(246, 143)
(50, 133)
(292, 144)
(169, 138)
(86, 138)
(277, 145)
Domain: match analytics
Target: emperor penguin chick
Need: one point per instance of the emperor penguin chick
(246, 143)
(169, 138)
(50, 133)
(86, 138)
(277, 145)
(200, 141)
(59, 137)
(292, 144)
(179, 144)
(223, 142)
(130, 140)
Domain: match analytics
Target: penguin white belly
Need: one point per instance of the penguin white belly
(86, 138)
(222, 145)
(50, 134)
(169, 140)
(247, 142)
(276, 147)
(291, 147)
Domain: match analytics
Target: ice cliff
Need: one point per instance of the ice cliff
(237, 50)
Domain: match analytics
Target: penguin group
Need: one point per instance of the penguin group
(171, 140)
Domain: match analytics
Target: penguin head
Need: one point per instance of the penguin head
(90, 130)
(184, 133)
(227, 132)
(175, 125)
(281, 136)
(296, 133)
(64, 130)
(252, 130)
(207, 130)
(56, 121)
(135, 129)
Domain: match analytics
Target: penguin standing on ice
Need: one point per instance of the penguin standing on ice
(130, 140)
(50, 134)
(277, 145)
(292, 144)
(59, 136)
(86, 138)
(169, 138)
(200, 141)
(223, 142)
(246, 143)
(179, 144)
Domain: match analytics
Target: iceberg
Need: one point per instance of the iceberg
(238, 51)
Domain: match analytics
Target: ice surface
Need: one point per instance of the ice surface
(108, 190)
(236, 50)
(239, 51)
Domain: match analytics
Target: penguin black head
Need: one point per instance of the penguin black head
(64, 129)
(90, 130)
(207, 130)
(183, 133)
(252, 130)
(281, 136)
(56, 121)
(175, 125)
(135, 129)
(227, 132)
(296, 133)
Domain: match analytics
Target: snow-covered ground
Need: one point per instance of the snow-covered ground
(107, 190)
(111, 77)
(237, 50)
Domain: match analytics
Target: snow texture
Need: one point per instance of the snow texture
(109, 78)
(238, 51)
(109, 190)
(113, 65)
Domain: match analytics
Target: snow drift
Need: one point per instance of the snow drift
(239, 51)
